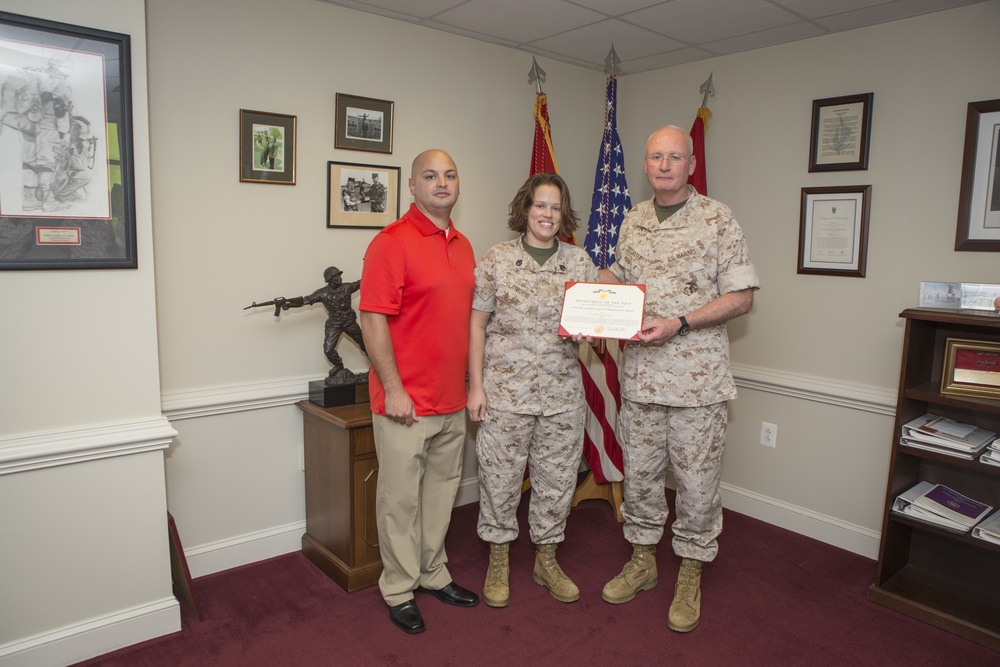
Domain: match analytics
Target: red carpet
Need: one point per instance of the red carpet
(771, 598)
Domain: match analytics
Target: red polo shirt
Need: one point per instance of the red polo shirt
(423, 282)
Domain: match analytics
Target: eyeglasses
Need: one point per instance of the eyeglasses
(673, 158)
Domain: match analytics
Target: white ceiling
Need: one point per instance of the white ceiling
(647, 34)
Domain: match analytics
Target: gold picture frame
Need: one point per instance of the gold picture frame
(267, 147)
(971, 368)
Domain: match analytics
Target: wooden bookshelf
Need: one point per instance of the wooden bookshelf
(943, 578)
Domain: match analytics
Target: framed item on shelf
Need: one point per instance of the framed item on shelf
(267, 147)
(67, 184)
(841, 132)
(361, 195)
(941, 295)
(971, 368)
(364, 124)
(833, 230)
(981, 296)
(979, 194)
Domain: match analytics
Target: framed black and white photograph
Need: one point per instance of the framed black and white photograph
(841, 133)
(979, 195)
(267, 147)
(67, 190)
(361, 195)
(364, 124)
(833, 230)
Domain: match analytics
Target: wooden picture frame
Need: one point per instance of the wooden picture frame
(361, 195)
(971, 368)
(69, 201)
(833, 230)
(979, 194)
(364, 124)
(841, 133)
(267, 147)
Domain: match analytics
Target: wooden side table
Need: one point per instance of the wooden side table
(341, 472)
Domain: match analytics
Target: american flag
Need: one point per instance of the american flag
(611, 201)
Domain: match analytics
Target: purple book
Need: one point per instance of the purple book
(953, 505)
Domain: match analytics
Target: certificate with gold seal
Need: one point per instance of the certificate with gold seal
(603, 310)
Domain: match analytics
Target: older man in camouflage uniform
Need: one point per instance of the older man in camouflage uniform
(528, 393)
(692, 256)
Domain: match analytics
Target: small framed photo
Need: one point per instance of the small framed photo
(979, 194)
(981, 296)
(841, 132)
(364, 124)
(267, 147)
(971, 368)
(361, 195)
(833, 230)
(67, 183)
(941, 295)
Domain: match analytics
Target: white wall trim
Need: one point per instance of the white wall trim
(851, 537)
(95, 637)
(243, 549)
(237, 398)
(47, 449)
(821, 390)
(261, 545)
(234, 398)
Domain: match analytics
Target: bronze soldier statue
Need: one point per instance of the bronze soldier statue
(341, 319)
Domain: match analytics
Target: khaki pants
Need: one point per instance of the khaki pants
(420, 467)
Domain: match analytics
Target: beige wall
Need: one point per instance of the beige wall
(818, 356)
(229, 243)
(84, 564)
(816, 343)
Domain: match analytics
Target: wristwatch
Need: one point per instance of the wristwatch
(685, 328)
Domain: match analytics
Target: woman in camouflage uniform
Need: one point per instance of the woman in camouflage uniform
(525, 386)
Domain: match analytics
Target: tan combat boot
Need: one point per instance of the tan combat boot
(548, 573)
(685, 610)
(639, 574)
(496, 591)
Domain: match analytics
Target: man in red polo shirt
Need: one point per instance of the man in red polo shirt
(416, 299)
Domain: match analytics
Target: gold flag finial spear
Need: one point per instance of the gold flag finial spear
(536, 75)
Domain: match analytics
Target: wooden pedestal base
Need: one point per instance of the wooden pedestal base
(590, 489)
(341, 474)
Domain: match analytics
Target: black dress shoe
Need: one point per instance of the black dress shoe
(454, 594)
(407, 617)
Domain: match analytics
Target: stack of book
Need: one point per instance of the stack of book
(989, 530)
(939, 505)
(991, 455)
(946, 436)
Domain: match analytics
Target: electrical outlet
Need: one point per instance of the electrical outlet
(768, 434)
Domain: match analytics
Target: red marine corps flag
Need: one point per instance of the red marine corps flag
(699, 179)
(543, 156)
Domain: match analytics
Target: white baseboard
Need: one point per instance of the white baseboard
(277, 541)
(826, 529)
(244, 549)
(72, 644)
